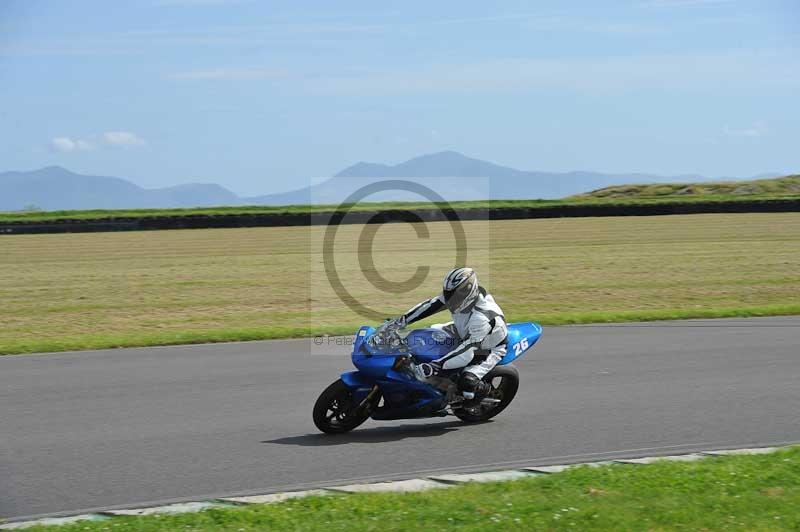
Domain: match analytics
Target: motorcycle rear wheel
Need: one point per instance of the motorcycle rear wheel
(504, 381)
(335, 410)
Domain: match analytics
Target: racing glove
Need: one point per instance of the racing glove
(397, 323)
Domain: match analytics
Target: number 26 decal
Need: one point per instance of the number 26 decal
(520, 346)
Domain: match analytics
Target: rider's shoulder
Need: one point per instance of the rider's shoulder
(485, 298)
(487, 304)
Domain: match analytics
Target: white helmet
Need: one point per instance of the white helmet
(460, 289)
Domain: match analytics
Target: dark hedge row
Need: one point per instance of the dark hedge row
(421, 215)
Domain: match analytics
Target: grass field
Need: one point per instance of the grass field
(760, 492)
(75, 291)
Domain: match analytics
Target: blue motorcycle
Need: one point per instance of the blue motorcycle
(384, 388)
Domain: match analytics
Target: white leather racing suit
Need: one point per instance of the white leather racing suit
(480, 329)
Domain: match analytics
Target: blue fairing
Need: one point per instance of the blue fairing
(356, 379)
(430, 344)
(521, 337)
(426, 345)
(402, 394)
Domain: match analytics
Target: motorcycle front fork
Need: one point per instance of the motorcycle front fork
(366, 403)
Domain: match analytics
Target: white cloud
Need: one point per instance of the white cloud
(198, 3)
(68, 145)
(587, 25)
(758, 129)
(489, 18)
(123, 139)
(150, 40)
(65, 49)
(540, 22)
(683, 3)
(681, 71)
(231, 74)
(114, 139)
(691, 72)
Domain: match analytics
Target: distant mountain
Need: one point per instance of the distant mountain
(458, 177)
(450, 174)
(56, 188)
(441, 164)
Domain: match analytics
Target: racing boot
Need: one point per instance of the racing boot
(473, 389)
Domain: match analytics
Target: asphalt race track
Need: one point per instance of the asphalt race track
(91, 430)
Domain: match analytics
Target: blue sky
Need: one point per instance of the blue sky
(263, 96)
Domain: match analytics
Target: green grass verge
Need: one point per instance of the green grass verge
(101, 214)
(757, 492)
(100, 341)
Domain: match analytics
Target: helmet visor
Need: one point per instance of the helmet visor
(460, 296)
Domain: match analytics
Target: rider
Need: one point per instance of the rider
(478, 323)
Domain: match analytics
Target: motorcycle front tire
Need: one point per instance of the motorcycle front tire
(335, 410)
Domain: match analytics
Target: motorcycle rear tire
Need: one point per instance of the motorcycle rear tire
(508, 385)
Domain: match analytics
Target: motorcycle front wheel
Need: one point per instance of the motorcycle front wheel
(335, 411)
(504, 381)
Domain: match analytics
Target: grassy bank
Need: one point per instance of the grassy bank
(757, 188)
(760, 492)
(629, 195)
(77, 291)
